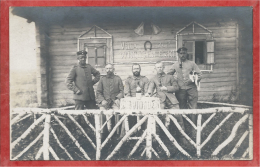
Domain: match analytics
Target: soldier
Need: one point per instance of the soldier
(188, 93)
(110, 90)
(136, 83)
(80, 82)
(166, 86)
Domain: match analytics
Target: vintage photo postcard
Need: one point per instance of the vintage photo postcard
(131, 84)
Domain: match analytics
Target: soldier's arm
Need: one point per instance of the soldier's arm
(121, 89)
(146, 85)
(151, 87)
(127, 90)
(70, 80)
(99, 92)
(174, 85)
(96, 74)
(197, 70)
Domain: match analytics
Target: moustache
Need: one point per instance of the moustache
(136, 73)
(110, 73)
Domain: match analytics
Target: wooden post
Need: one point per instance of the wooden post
(149, 139)
(237, 60)
(116, 121)
(98, 136)
(43, 70)
(137, 120)
(126, 125)
(46, 137)
(153, 125)
(34, 117)
(198, 137)
(250, 124)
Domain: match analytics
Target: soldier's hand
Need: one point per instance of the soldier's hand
(104, 102)
(117, 101)
(147, 95)
(163, 88)
(78, 92)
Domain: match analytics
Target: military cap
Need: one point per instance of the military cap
(82, 52)
(182, 49)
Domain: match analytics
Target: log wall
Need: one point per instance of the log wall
(128, 47)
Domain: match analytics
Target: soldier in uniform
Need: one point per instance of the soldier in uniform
(110, 90)
(136, 83)
(166, 86)
(79, 80)
(188, 93)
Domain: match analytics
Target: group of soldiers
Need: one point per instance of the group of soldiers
(174, 92)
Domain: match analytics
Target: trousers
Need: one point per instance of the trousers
(168, 104)
(105, 116)
(188, 99)
(90, 104)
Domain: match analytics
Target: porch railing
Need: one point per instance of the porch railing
(150, 133)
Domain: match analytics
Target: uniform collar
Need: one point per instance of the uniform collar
(161, 75)
(83, 66)
(112, 76)
(135, 77)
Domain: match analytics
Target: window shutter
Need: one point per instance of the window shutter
(210, 52)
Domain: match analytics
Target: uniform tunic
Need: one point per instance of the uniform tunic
(80, 78)
(131, 84)
(164, 80)
(110, 87)
(188, 93)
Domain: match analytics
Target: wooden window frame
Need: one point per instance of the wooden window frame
(86, 45)
(206, 51)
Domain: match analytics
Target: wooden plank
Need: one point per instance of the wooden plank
(220, 65)
(217, 84)
(217, 79)
(66, 69)
(162, 43)
(218, 75)
(217, 89)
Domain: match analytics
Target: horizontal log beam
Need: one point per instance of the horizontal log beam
(137, 112)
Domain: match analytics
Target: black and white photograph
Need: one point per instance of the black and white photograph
(131, 83)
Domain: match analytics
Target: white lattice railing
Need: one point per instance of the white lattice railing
(143, 116)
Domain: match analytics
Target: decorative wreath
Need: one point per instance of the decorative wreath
(146, 44)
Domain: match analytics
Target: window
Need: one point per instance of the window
(201, 52)
(96, 54)
(98, 43)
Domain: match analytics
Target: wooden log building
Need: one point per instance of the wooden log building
(218, 39)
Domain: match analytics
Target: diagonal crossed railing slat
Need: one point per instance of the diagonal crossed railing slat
(149, 133)
(231, 137)
(73, 138)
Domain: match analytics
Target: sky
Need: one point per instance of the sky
(22, 44)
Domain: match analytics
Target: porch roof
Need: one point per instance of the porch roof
(57, 15)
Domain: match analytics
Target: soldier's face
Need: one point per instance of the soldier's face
(183, 55)
(82, 59)
(159, 68)
(136, 70)
(109, 69)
